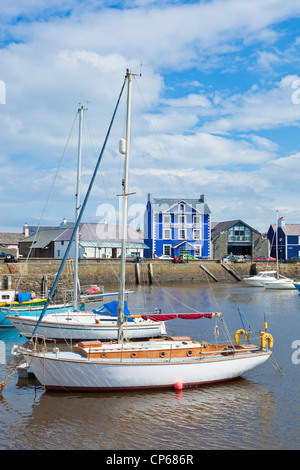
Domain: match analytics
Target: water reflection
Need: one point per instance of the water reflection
(258, 411)
(198, 418)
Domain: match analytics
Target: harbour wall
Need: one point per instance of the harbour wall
(40, 273)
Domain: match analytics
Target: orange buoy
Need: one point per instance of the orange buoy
(178, 386)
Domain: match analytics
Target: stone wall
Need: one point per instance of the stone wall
(106, 273)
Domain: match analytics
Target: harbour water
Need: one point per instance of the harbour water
(257, 411)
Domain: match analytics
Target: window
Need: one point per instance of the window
(196, 219)
(166, 219)
(167, 233)
(239, 233)
(196, 234)
(181, 207)
(58, 252)
(197, 250)
(181, 219)
(181, 234)
(62, 243)
(167, 250)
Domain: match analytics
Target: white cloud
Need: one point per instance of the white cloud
(67, 53)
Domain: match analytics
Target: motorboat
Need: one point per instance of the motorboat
(259, 279)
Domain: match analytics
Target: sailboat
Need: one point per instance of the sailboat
(72, 323)
(279, 281)
(126, 365)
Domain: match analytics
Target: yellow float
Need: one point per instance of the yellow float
(266, 338)
(237, 336)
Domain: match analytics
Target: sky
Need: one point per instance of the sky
(216, 107)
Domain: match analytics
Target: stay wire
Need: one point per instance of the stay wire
(46, 204)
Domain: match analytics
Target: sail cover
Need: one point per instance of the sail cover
(172, 316)
(111, 308)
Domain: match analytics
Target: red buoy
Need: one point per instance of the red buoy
(178, 386)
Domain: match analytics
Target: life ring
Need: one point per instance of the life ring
(264, 338)
(237, 336)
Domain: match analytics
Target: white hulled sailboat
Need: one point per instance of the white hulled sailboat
(72, 323)
(125, 365)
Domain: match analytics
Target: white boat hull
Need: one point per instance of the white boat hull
(259, 279)
(253, 282)
(71, 372)
(278, 284)
(84, 327)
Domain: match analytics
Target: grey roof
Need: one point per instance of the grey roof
(34, 228)
(197, 204)
(107, 244)
(10, 238)
(43, 237)
(223, 226)
(93, 232)
(289, 229)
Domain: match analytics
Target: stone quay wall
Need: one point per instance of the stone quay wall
(39, 274)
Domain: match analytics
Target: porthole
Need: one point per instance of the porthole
(189, 352)
(162, 354)
(133, 355)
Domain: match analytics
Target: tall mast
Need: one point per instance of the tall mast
(125, 211)
(277, 244)
(77, 207)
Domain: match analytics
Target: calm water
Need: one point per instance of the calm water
(258, 411)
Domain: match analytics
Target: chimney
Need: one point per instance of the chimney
(203, 198)
(26, 230)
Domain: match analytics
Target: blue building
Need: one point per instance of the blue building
(288, 238)
(177, 227)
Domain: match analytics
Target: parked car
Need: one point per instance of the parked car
(188, 257)
(264, 258)
(165, 257)
(230, 258)
(3, 255)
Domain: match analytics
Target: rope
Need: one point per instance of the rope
(12, 372)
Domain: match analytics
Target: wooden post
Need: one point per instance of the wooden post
(137, 273)
(150, 273)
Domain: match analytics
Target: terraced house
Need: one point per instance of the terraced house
(287, 241)
(176, 227)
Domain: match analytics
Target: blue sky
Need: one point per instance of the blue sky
(216, 110)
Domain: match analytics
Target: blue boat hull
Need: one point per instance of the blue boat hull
(5, 323)
(297, 285)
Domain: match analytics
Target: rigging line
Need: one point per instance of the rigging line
(226, 331)
(173, 297)
(82, 209)
(46, 204)
(93, 141)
